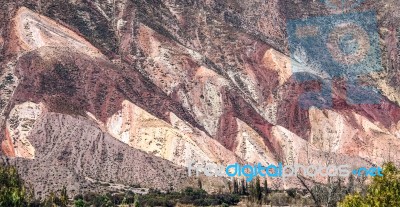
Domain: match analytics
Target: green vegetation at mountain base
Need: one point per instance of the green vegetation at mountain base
(12, 189)
(383, 191)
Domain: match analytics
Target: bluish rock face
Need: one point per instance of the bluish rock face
(342, 4)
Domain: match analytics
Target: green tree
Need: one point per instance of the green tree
(257, 189)
(266, 191)
(64, 197)
(355, 200)
(50, 200)
(199, 183)
(12, 189)
(251, 190)
(230, 186)
(80, 203)
(244, 187)
(136, 203)
(102, 201)
(124, 201)
(350, 185)
(235, 186)
(383, 191)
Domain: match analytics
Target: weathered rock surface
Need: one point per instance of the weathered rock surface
(69, 150)
(21, 120)
(31, 31)
(177, 142)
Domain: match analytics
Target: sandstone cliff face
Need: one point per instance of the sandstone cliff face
(31, 31)
(177, 142)
(21, 120)
(121, 90)
(251, 147)
(352, 134)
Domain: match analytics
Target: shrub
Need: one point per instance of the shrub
(291, 192)
(12, 189)
(383, 191)
(80, 203)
